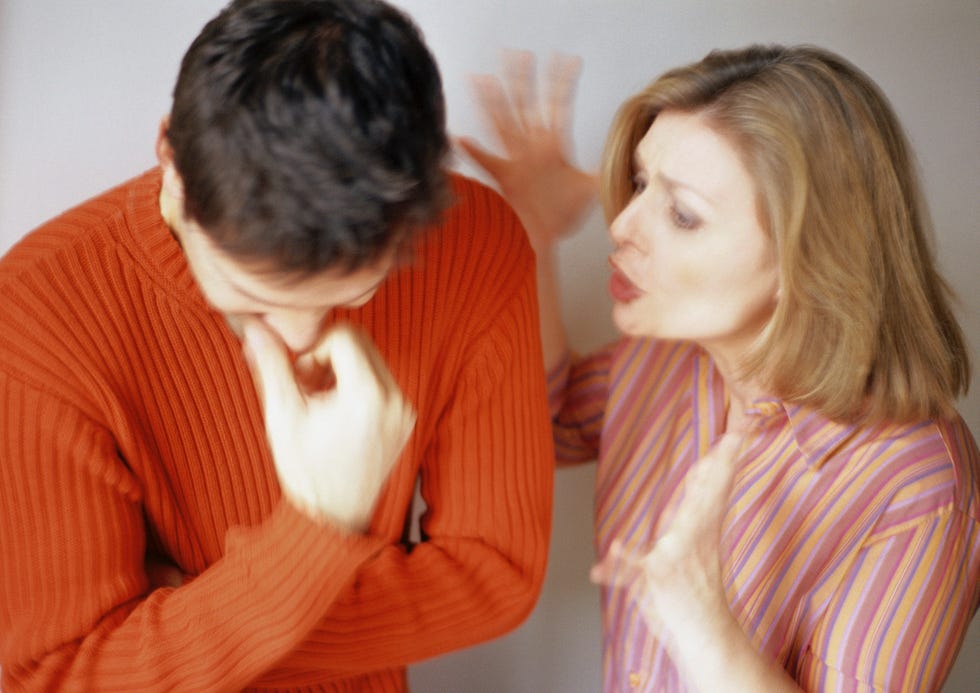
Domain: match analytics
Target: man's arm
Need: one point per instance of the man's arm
(77, 612)
(486, 466)
(292, 590)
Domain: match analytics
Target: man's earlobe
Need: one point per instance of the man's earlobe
(172, 183)
(165, 153)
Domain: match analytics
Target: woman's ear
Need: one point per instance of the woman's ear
(173, 185)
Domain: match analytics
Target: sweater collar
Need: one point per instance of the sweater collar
(157, 243)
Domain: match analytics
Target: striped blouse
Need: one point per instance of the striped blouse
(851, 556)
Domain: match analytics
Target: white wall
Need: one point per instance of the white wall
(82, 87)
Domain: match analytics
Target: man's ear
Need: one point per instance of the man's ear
(173, 185)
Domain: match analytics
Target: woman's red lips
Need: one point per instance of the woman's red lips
(621, 288)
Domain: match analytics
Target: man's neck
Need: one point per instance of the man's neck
(170, 210)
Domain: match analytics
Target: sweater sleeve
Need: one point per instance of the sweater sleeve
(289, 603)
(486, 480)
(73, 540)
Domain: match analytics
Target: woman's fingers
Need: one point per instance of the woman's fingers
(563, 73)
(489, 162)
(618, 568)
(496, 109)
(519, 71)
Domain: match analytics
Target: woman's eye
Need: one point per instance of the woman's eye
(682, 219)
(639, 184)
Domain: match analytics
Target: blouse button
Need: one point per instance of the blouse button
(634, 680)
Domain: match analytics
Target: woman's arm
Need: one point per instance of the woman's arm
(550, 195)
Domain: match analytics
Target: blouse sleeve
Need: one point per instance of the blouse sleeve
(577, 393)
(898, 616)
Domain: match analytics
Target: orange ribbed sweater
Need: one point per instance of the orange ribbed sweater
(129, 425)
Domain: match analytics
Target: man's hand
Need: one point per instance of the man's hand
(334, 440)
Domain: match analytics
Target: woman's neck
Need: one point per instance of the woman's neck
(742, 392)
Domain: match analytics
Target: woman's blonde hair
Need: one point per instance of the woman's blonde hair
(863, 330)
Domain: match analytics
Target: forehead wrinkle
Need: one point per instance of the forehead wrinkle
(703, 147)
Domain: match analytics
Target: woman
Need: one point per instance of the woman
(786, 498)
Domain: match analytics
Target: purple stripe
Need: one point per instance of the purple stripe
(663, 408)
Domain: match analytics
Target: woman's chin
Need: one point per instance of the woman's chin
(626, 320)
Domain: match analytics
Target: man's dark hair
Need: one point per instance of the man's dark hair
(310, 134)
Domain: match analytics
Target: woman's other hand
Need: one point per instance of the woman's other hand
(679, 585)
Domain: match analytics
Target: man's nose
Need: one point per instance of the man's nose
(298, 329)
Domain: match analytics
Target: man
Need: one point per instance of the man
(221, 381)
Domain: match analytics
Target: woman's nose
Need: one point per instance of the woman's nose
(623, 226)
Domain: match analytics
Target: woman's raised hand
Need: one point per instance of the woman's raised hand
(535, 173)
